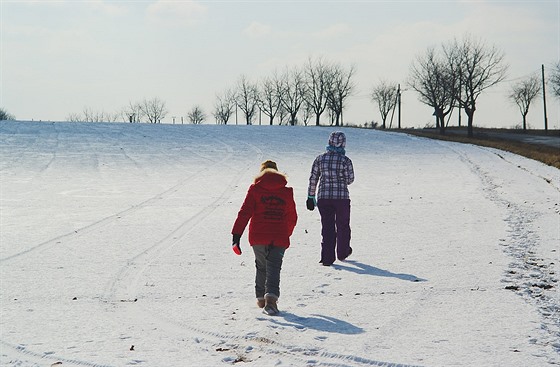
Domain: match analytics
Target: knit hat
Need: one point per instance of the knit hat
(337, 139)
(269, 164)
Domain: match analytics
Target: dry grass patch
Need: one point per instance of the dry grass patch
(543, 153)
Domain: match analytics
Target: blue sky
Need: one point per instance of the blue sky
(59, 57)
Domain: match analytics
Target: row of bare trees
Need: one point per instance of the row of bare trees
(455, 75)
(148, 110)
(292, 96)
(451, 76)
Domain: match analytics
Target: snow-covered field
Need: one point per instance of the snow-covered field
(115, 251)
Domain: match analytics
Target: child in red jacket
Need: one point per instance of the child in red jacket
(270, 207)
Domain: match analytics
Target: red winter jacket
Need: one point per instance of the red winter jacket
(270, 206)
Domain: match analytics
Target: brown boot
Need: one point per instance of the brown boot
(270, 307)
(260, 302)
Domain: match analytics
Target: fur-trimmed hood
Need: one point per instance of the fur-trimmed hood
(271, 179)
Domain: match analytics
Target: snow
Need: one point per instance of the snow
(115, 251)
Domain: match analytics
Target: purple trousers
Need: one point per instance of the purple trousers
(335, 222)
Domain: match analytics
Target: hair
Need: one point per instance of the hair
(269, 164)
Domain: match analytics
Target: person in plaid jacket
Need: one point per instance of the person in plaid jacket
(332, 171)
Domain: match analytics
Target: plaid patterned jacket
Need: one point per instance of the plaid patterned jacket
(334, 172)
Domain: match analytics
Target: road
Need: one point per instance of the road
(551, 139)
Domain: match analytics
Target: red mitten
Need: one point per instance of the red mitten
(236, 248)
(235, 244)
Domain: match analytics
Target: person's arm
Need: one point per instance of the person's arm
(291, 214)
(311, 201)
(245, 213)
(349, 174)
(314, 177)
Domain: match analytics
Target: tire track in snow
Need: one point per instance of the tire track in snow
(125, 288)
(111, 218)
(99, 223)
(251, 347)
(136, 266)
(38, 359)
(19, 161)
(125, 285)
(529, 276)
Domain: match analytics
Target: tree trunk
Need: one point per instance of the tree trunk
(441, 119)
(337, 121)
(470, 118)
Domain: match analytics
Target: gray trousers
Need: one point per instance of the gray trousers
(268, 261)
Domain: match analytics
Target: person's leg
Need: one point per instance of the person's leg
(260, 278)
(343, 232)
(274, 258)
(328, 231)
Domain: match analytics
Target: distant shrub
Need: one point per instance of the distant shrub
(5, 115)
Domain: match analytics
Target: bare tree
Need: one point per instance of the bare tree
(196, 115)
(436, 84)
(523, 93)
(318, 79)
(246, 98)
(269, 97)
(384, 95)
(5, 115)
(306, 112)
(282, 115)
(132, 113)
(292, 92)
(91, 115)
(478, 67)
(340, 88)
(114, 117)
(554, 79)
(154, 110)
(74, 117)
(225, 105)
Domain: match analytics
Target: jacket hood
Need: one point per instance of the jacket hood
(271, 179)
(337, 139)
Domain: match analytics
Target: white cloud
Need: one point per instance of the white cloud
(109, 9)
(177, 14)
(257, 30)
(336, 30)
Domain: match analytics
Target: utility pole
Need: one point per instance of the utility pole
(459, 101)
(544, 100)
(399, 103)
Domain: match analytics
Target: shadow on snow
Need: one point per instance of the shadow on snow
(316, 322)
(360, 268)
